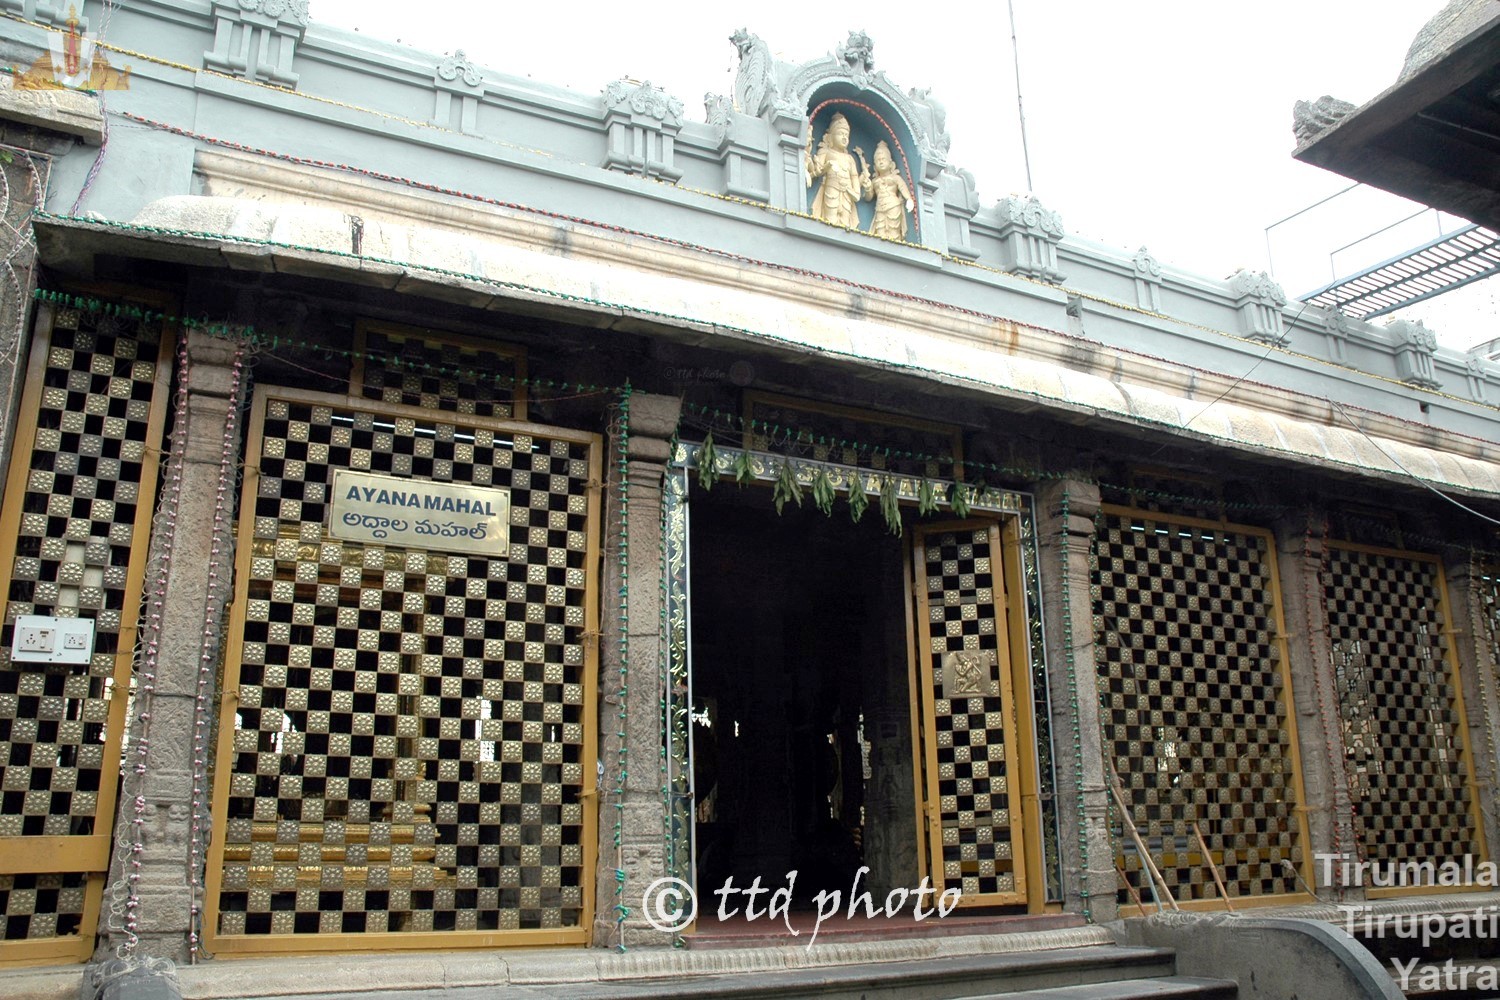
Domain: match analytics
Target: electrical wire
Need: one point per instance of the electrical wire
(1412, 475)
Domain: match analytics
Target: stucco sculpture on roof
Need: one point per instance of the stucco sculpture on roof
(892, 197)
(843, 183)
(754, 85)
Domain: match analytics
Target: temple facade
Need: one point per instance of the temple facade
(440, 507)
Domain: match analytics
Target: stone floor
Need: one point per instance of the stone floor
(542, 968)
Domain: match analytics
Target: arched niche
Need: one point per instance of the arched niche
(872, 120)
(912, 125)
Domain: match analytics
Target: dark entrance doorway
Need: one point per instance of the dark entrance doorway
(802, 712)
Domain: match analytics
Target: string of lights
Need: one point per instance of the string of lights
(220, 585)
(621, 435)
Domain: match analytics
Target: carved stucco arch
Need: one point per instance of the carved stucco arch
(810, 78)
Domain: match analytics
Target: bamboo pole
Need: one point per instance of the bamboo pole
(1128, 822)
(1133, 893)
(1212, 866)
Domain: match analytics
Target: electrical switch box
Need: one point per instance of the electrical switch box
(45, 639)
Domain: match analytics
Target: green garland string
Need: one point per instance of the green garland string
(859, 501)
(823, 493)
(958, 497)
(786, 487)
(789, 435)
(890, 504)
(1071, 669)
(623, 468)
(276, 341)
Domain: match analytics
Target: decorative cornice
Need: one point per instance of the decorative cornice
(1146, 266)
(239, 22)
(1413, 333)
(281, 10)
(1031, 214)
(1257, 285)
(457, 66)
(645, 100)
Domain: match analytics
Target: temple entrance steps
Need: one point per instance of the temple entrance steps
(1082, 963)
(1105, 972)
(1086, 972)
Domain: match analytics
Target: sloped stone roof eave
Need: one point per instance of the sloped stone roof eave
(485, 273)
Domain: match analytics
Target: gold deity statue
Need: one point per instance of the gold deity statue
(892, 197)
(844, 182)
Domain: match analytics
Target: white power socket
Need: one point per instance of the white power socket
(48, 639)
(35, 639)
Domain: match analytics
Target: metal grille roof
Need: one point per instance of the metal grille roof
(1441, 266)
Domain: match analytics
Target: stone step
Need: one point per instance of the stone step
(1156, 988)
(1102, 972)
(768, 933)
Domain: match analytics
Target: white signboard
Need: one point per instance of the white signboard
(418, 514)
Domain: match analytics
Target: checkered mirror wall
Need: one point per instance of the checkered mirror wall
(971, 766)
(396, 364)
(1194, 703)
(1403, 738)
(407, 735)
(77, 513)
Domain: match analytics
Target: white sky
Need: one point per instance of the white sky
(1164, 123)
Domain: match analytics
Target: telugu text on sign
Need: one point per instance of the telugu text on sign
(418, 514)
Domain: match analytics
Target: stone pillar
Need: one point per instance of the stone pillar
(1065, 535)
(1476, 664)
(163, 724)
(641, 810)
(1300, 546)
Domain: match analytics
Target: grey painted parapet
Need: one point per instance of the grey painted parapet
(1271, 958)
(732, 183)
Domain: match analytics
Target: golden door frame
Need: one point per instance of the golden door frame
(936, 827)
(1448, 634)
(66, 854)
(1294, 747)
(1005, 510)
(362, 941)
